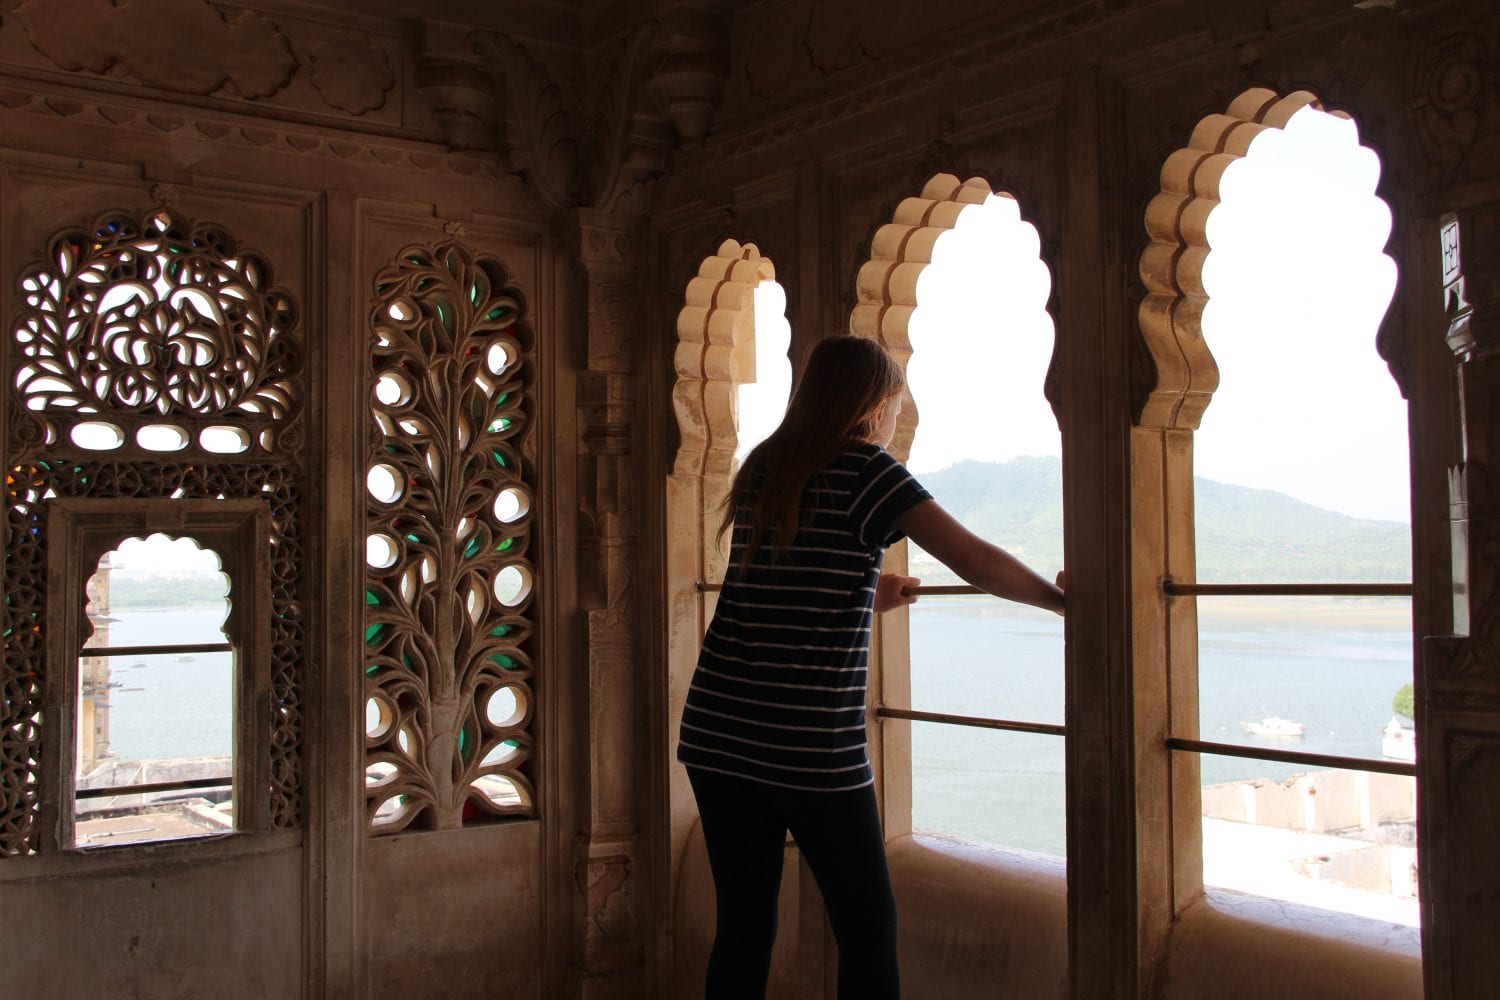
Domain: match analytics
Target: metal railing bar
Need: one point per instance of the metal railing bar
(196, 647)
(955, 590)
(155, 786)
(1293, 756)
(1043, 728)
(1173, 589)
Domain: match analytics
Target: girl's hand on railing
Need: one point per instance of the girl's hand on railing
(890, 592)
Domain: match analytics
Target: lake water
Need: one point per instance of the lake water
(1333, 665)
(170, 705)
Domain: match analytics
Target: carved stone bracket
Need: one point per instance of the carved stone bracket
(593, 128)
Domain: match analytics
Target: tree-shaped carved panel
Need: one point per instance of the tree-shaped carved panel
(152, 359)
(154, 334)
(449, 584)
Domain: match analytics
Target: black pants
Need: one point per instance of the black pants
(744, 826)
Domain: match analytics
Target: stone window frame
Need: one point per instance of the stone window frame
(1168, 406)
(82, 530)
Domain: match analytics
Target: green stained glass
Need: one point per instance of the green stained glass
(501, 401)
(500, 459)
(416, 260)
(371, 599)
(373, 633)
(499, 424)
(514, 745)
(414, 538)
(8, 633)
(372, 671)
(463, 743)
(501, 660)
(474, 295)
(445, 313)
(495, 314)
(472, 549)
(406, 661)
(505, 545)
(500, 631)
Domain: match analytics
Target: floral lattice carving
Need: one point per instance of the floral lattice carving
(448, 583)
(140, 336)
(145, 319)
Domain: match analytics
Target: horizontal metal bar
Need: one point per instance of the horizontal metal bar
(155, 786)
(944, 591)
(1044, 728)
(1293, 756)
(198, 647)
(1173, 589)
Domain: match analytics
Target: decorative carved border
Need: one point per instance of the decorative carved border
(271, 136)
(834, 106)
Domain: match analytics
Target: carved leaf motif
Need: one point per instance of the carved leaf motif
(352, 74)
(1450, 97)
(188, 46)
(448, 578)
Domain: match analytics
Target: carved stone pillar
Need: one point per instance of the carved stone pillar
(609, 937)
(1458, 720)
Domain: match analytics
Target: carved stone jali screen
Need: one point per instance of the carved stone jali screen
(153, 359)
(449, 585)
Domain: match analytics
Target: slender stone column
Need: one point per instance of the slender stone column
(1458, 704)
(609, 937)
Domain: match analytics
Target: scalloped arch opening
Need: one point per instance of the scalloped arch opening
(902, 256)
(1183, 375)
(716, 353)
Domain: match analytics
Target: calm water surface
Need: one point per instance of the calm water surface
(986, 658)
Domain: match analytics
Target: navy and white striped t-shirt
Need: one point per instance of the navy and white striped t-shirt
(779, 693)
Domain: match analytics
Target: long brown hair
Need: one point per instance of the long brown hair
(845, 381)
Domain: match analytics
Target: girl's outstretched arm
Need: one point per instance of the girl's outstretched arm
(986, 566)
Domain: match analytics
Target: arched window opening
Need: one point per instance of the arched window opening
(965, 275)
(732, 383)
(1301, 477)
(1273, 446)
(987, 447)
(155, 737)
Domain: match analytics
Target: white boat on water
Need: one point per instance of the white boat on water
(1274, 725)
(1398, 740)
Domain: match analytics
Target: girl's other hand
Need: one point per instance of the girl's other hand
(889, 591)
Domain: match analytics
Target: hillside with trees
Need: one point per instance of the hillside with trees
(1243, 535)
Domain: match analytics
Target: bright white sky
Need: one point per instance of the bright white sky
(1298, 283)
(160, 554)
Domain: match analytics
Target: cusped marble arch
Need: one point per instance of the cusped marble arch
(1171, 267)
(715, 353)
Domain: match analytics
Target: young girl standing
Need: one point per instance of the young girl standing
(773, 732)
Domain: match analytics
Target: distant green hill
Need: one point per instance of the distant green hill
(1244, 535)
